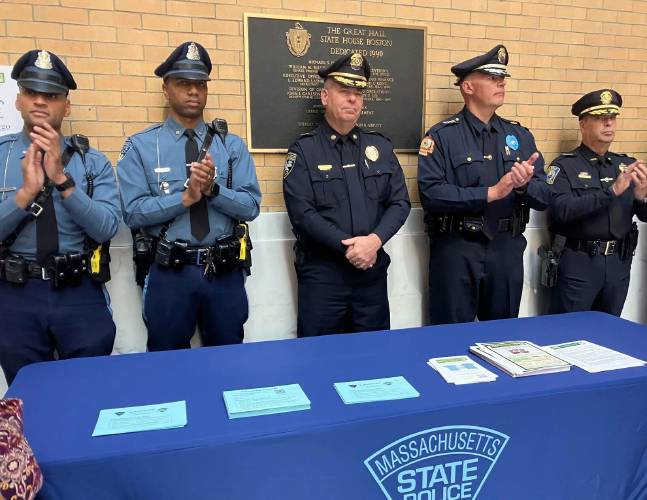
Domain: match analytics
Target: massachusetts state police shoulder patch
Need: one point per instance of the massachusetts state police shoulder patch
(551, 173)
(290, 160)
(124, 149)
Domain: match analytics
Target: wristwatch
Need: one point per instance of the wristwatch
(69, 183)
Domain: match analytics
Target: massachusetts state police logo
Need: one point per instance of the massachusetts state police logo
(442, 463)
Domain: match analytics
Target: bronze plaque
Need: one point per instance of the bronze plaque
(283, 54)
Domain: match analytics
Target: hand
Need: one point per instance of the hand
(639, 177)
(623, 181)
(211, 170)
(48, 141)
(33, 177)
(501, 189)
(361, 251)
(193, 192)
(523, 172)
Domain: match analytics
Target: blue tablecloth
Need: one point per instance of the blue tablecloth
(570, 436)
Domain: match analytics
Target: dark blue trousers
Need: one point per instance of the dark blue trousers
(470, 276)
(176, 301)
(326, 308)
(590, 283)
(36, 320)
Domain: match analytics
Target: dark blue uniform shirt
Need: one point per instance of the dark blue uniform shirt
(584, 207)
(466, 157)
(325, 204)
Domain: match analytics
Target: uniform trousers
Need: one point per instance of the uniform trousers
(471, 276)
(590, 283)
(36, 320)
(176, 301)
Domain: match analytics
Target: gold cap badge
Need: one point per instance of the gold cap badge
(43, 61)
(356, 61)
(606, 97)
(193, 53)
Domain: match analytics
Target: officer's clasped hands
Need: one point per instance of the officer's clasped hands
(361, 251)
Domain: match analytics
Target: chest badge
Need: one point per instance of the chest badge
(622, 167)
(372, 153)
(584, 175)
(512, 142)
(165, 186)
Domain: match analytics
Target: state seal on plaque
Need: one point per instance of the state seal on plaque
(298, 40)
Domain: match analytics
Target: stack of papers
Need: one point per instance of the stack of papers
(141, 418)
(379, 389)
(592, 357)
(520, 358)
(461, 370)
(265, 401)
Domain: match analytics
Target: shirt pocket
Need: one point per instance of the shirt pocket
(172, 181)
(468, 168)
(329, 187)
(376, 181)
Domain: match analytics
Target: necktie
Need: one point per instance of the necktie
(491, 177)
(356, 196)
(199, 215)
(46, 230)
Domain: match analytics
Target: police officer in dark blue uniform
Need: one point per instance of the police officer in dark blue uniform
(190, 186)
(596, 194)
(346, 197)
(58, 204)
(478, 175)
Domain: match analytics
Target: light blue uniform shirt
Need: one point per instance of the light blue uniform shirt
(76, 216)
(152, 173)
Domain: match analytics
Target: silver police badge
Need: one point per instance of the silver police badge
(192, 52)
(43, 61)
(551, 174)
(372, 153)
(290, 160)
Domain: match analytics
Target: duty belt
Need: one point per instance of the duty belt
(448, 223)
(596, 247)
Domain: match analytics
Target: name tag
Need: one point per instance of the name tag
(162, 170)
(324, 167)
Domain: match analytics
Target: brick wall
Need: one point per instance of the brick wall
(558, 50)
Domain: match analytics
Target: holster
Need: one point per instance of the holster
(520, 218)
(143, 255)
(549, 261)
(171, 254)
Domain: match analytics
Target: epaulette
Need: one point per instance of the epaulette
(454, 120)
(513, 122)
(147, 129)
(8, 138)
(375, 132)
(618, 154)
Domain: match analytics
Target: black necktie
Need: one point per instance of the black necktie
(46, 230)
(356, 195)
(198, 212)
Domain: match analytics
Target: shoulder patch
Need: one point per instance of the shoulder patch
(551, 173)
(290, 160)
(426, 146)
(124, 149)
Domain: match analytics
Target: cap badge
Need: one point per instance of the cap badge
(502, 54)
(43, 61)
(606, 97)
(372, 153)
(192, 53)
(356, 61)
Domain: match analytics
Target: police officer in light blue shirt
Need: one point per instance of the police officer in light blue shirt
(190, 186)
(58, 205)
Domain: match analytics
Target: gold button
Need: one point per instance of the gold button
(333, 137)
